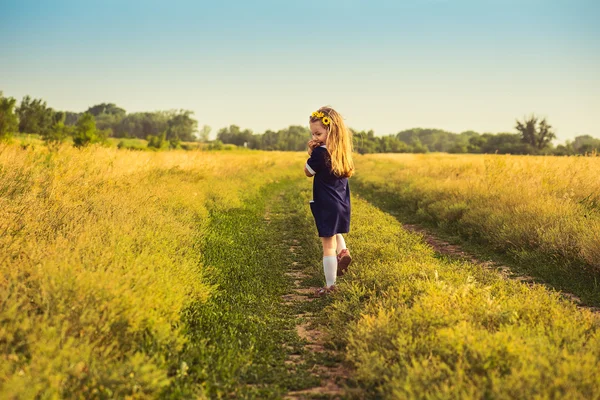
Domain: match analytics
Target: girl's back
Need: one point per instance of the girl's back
(331, 165)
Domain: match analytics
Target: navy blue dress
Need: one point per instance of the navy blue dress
(330, 205)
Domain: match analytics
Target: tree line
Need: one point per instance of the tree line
(97, 123)
(532, 136)
(167, 129)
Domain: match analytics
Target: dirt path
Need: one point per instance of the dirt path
(457, 251)
(329, 373)
(317, 368)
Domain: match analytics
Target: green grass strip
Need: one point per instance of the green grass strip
(239, 339)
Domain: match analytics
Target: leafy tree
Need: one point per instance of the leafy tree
(107, 116)
(586, 144)
(215, 145)
(423, 140)
(365, 142)
(158, 141)
(8, 118)
(108, 121)
(85, 131)
(476, 143)
(71, 118)
(114, 121)
(268, 141)
(142, 124)
(505, 143)
(293, 138)
(419, 148)
(564, 150)
(234, 135)
(106, 108)
(204, 133)
(181, 126)
(174, 143)
(468, 134)
(409, 136)
(34, 116)
(458, 148)
(58, 132)
(537, 136)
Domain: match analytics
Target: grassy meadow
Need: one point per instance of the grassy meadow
(101, 253)
(416, 326)
(542, 213)
(128, 274)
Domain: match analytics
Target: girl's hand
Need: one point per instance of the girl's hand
(313, 144)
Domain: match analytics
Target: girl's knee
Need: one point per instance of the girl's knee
(329, 245)
(328, 241)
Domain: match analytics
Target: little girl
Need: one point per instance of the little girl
(330, 163)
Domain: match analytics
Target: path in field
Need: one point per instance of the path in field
(255, 336)
(304, 273)
(456, 251)
(331, 374)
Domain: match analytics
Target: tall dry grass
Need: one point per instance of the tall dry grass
(99, 254)
(544, 206)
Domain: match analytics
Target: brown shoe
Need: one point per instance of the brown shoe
(344, 260)
(325, 291)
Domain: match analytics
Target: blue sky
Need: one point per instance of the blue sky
(385, 65)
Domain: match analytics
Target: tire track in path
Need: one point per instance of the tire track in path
(456, 251)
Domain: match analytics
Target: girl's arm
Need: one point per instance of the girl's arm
(316, 160)
(307, 172)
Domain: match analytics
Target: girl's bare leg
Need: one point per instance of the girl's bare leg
(329, 246)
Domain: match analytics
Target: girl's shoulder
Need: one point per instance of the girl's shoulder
(319, 152)
(321, 149)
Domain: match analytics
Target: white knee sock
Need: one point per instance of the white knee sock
(330, 268)
(341, 243)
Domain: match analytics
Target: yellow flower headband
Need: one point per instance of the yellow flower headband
(319, 114)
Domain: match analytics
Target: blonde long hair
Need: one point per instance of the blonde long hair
(339, 142)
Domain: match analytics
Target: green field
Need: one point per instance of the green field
(129, 274)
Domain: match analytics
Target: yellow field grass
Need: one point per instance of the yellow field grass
(99, 254)
(547, 205)
(415, 326)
